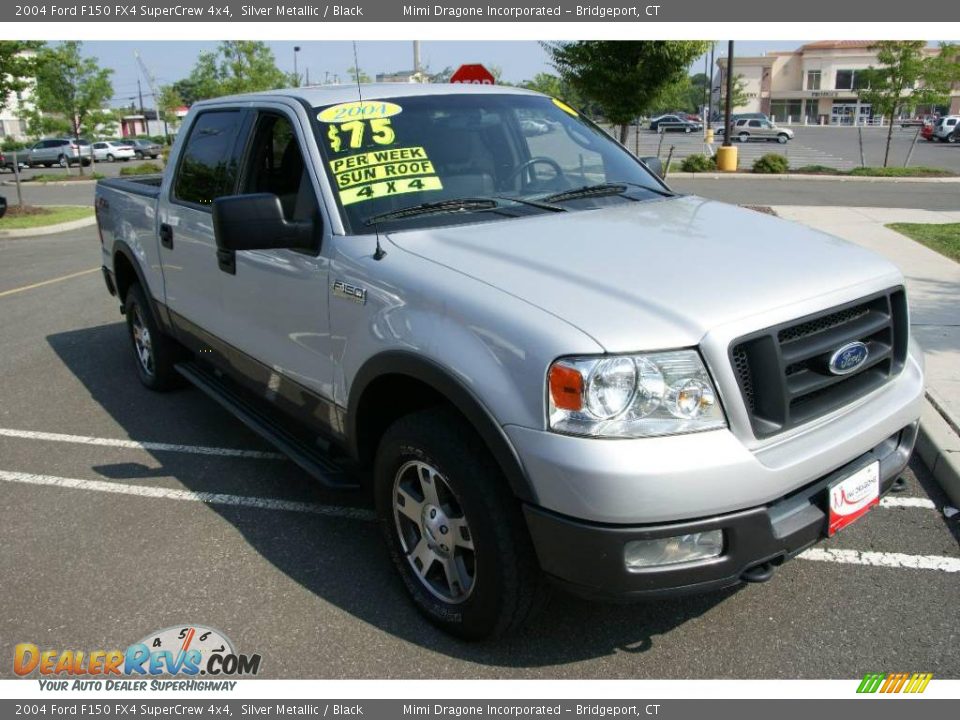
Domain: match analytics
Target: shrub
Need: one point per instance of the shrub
(818, 170)
(698, 163)
(772, 164)
(147, 168)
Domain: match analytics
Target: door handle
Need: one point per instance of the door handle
(166, 235)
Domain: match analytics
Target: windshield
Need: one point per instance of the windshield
(397, 163)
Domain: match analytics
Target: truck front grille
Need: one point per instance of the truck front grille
(783, 371)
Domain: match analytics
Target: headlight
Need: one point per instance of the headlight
(662, 393)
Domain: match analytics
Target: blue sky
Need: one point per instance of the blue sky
(172, 60)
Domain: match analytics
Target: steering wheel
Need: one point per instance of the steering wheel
(531, 163)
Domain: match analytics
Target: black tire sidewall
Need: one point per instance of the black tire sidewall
(431, 440)
(165, 349)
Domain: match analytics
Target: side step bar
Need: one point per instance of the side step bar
(310, 459)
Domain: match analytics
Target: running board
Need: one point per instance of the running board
(321, 467)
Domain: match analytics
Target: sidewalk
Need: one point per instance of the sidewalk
(933, 286)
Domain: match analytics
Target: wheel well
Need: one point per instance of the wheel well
(386, 400)
(124, 275)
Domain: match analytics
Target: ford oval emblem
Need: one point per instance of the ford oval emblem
(848, 358)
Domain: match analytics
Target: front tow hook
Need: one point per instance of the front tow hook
(758, 573)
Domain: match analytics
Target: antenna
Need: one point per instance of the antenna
(379, 253)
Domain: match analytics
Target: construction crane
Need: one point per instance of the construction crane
(152, 84)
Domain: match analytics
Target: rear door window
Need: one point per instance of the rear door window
(209, 166)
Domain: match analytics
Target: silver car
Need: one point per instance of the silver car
(59, 151)
(747, 129)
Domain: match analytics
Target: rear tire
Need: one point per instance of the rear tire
(454, 529)
(154, 352)
(62, 161)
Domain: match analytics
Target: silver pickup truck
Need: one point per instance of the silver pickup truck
(546, 364)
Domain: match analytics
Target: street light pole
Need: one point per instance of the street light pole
(296, 75)
(728, 108)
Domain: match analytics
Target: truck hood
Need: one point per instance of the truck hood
(652, 274)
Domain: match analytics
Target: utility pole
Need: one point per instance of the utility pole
(140, 95)
(296, 75)
(416, 59)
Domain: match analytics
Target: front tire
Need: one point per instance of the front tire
(154, 352)
(454, 529)
(743, 137)
(110, 158)
(782, 139)
(62, 161)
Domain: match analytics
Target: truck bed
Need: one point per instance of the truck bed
(145, 185)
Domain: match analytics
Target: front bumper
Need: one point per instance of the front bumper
(588, 558)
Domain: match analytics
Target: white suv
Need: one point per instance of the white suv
(946, 128)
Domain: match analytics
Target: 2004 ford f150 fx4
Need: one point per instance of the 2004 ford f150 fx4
(555, 367)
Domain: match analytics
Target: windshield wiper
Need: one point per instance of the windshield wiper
(469, 204)
(475, 204)
(600, 190)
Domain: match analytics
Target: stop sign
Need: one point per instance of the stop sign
(473, 74)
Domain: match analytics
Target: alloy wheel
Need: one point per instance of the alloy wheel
(433, 532)
(142, 341)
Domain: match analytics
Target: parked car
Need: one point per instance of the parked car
(3, 206)
(145, 148)
(6, 160)
(674, 123)
(718, 122)
(112, 150)
(945, 129)
(59, 151)
(464, 311)
(746, 130)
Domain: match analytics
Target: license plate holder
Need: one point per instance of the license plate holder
(851, 497)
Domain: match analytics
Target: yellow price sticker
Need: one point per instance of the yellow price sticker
(377, 157)
(387, 188)
(563, 106)
(359, 110)
(372, 173)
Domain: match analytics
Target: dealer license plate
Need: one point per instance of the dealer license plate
(853, 496)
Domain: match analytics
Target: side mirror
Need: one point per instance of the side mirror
(256, 222)
(654, 165)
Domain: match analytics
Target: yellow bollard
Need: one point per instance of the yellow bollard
(709, 136)
(727, 158)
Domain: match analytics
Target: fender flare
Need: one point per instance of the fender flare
(159, 310)
(398, 362)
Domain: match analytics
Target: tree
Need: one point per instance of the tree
(357, 75)
(72, 92)
(907, 76)
(624, 78)
(739, 98)
(236, 66)
(167, 103)
(17, 67)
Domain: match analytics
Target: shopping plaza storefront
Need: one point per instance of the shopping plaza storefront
(816, 84)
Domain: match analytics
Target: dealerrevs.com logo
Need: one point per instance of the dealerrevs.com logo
(184, 651)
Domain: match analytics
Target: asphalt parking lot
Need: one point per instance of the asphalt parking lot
(106, 537)
(836, 147)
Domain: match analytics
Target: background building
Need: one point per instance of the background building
(815, 84)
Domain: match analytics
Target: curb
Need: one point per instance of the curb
(806, 178)
(939, 448)
(48, 229)
(33, 183)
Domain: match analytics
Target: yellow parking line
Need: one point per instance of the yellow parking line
(48, 282)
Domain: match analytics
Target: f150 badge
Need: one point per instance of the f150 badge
(350, 292)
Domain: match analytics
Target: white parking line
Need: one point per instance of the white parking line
(148, 491)
(883, 559)
(846, 557)
(138, 445)
(907, 502)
